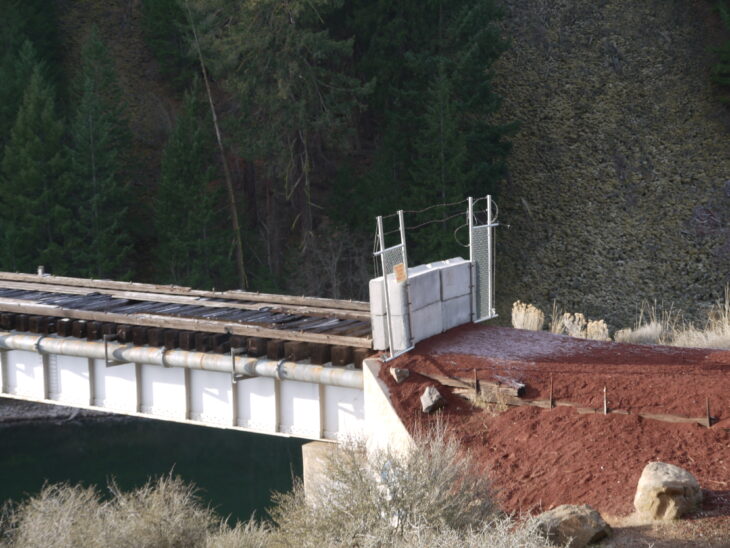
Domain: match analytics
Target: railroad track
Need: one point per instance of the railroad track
(278, 326)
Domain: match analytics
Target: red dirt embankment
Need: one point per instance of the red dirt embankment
(541, 458)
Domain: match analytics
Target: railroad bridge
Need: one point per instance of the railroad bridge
(272, 364)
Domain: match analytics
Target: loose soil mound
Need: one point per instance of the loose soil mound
(541, 458)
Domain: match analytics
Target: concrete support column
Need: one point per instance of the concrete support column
(314, 464)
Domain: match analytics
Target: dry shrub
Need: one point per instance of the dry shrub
(649, 333)
(556, 319)
(163, 513)
(654, 325)
(497, 533)
(382, 497)
(574, 325)
(716, 333)
(527, 316)
(597, 330)
(251, 534)
(60, 516)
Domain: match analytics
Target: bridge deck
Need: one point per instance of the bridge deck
(184, 317)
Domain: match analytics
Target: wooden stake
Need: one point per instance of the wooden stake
(605, 402)
(476, 384)
(709, 417)
(552, 400)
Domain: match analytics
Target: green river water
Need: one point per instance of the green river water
(235, 471)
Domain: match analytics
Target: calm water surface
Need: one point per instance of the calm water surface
(235, 471)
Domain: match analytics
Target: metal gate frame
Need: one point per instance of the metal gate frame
(387, 270)
(482, 308)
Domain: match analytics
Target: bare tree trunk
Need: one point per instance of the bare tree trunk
(243, 280)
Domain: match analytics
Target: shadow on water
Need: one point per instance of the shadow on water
(234, 471)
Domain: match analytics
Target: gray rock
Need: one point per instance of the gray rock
(574, 526)
(666, 492)
(399, 374)
(431, 399)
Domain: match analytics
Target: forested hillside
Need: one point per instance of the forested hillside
(619, 179)
(250, 144)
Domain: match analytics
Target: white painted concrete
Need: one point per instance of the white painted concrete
(435, 298)
(456, 311)
(257, 409)
(261, 404)
(427, 321)
(25, 374)
(120, 388)
(300, 409)
(72, 376)
(455, 278)
(344, 412)
(211, 397)
(163, 391)
(383, 427)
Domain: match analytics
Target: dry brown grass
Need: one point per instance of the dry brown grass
(666, 326)
(527, 316)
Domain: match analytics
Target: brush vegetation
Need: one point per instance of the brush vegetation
(432, 495)
(655, 324)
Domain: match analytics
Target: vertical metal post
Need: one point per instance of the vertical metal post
(470, 224)
(403, 241)
(404, 254)
(381, 240)
(490, 251)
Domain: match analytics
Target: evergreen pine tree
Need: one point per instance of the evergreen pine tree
(165, 28)
(31, 202)
(297, 98)
(430, 112)
(193, 247)
(101, 236)
(721, 70)
(16, 67)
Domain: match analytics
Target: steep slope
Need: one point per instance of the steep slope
(619, 185)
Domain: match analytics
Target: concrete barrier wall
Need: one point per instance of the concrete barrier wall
(434, 298)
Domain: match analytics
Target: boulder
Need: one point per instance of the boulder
(399, 374)
(666, 492)
(573, 526)
(431, 399)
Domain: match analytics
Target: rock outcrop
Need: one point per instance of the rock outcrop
(666, 492)
(573, 526)
(431, 399)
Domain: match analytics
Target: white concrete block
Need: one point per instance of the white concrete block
(424, 286)
(379, 326)
(377, 297)
(426, 322)
(456, 311)
(396, 296)
(455, 278)
(25, 374)
(401, 332)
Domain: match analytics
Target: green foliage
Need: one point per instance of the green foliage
(193, 247)
(31, 202)
(721, 71)
(431, 109)
(101, 244)
(293, 85)
(27, 36)
(165, 27)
